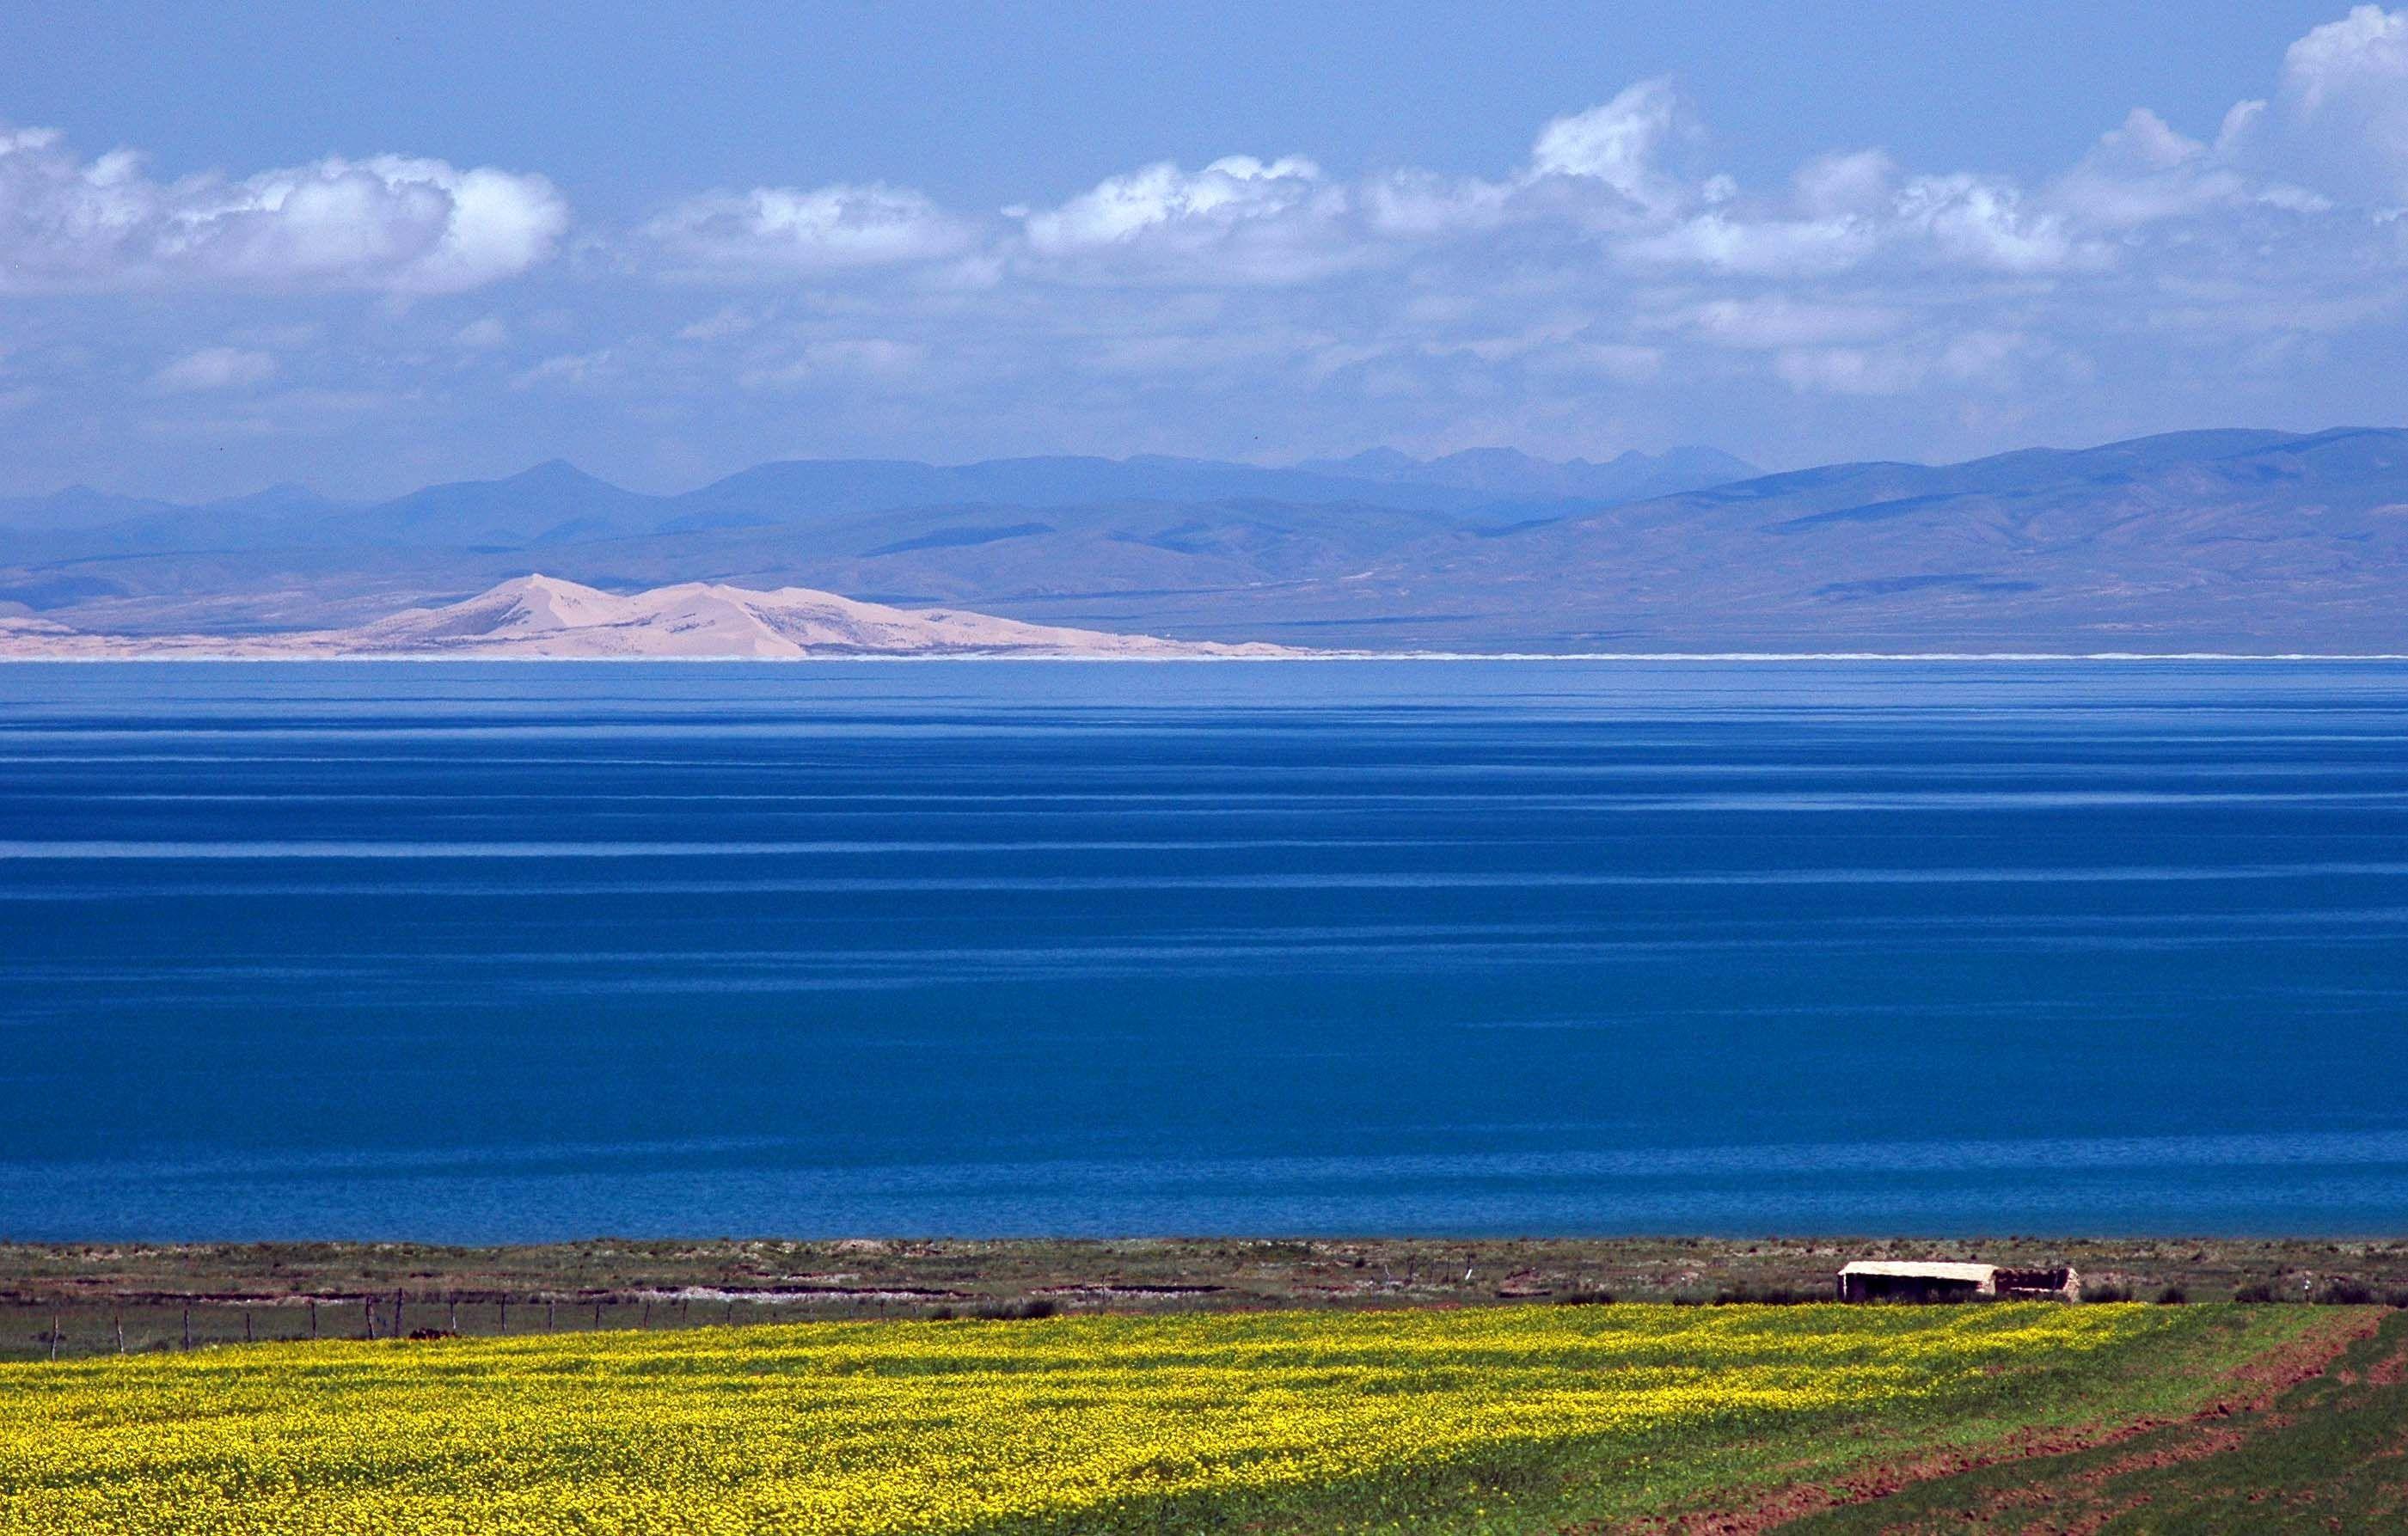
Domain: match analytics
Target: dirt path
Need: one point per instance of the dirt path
(2341, 1379)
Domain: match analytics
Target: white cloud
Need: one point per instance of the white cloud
(1621, 144)
(388, 222)
(1605, 277)
(729, 321)
(1778, 321)
(1760, 246)
(2144, 172)
(575, 370)
(1240, 220)
(783, 229)
(2360, 61)
(1598, 171)
(1619, 361)
(1226, 193)
(837, 359)
(1977, 361)
(2344, 104)
(214, 368)
(483, 335)
(1842, 215)
(1850, 370)
(1987, 223)
(1244, 220)
(1859, 183)
(1422, 204)
(1985, 357)
(2145, 145)
(1605, 260)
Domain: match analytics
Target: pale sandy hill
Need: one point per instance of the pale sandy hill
(543, 616)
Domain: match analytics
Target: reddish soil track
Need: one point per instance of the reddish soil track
(2257, 1385)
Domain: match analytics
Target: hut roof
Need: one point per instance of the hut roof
(1975, 1273)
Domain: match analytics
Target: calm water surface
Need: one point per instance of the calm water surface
(513, 951)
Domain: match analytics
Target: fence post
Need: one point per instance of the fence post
(188, 1325)
(550, 1314)
(648, 1314)
(504, 1326)
(598, 1316)
(119, 1318)
(368, 1310)
(454, 1315)
(313, 1317)
(396, 1314)
(54, 1338)
(247, 1337)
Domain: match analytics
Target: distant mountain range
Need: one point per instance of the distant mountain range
(540, 617)
(557, 503)
(2225, 540)
(1509, 473)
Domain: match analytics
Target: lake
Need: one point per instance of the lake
(513, 951)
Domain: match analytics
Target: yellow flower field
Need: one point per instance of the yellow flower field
(1076, 1422)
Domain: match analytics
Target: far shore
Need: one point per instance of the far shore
(1291, 658)
(99, 1297)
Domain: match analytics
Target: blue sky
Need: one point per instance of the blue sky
(371, 247)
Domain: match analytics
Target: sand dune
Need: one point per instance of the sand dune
(544, 617)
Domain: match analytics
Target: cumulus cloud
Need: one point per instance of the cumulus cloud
(2344, 104)
(1226, 193)
(1610, 256)
(1985, 224)
(1620, 144)
(1607, 275)
(389, 222)
(1856, 183)
(1975, 270)
(1597, 184)
(1247, 220)
(786, 229)
(1604, 187)
(2144, 172)
(214, 368)
(1240, 218)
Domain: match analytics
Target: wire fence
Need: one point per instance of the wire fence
(42, 1329)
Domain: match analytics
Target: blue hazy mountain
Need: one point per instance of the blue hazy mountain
(556, 502)
(551, 503)
(807, 492)
(79, 507)
(1507, 473)
(2235, 539)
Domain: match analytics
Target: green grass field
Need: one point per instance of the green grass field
(1491, 1420)
(2329, 1454)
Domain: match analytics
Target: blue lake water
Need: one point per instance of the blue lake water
(538, 950)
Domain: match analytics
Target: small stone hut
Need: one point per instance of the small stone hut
(1893, 1279)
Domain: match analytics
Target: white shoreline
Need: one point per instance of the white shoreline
(458, 658)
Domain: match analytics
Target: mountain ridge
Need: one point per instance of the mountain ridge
(546, 500)
(2238, 540)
